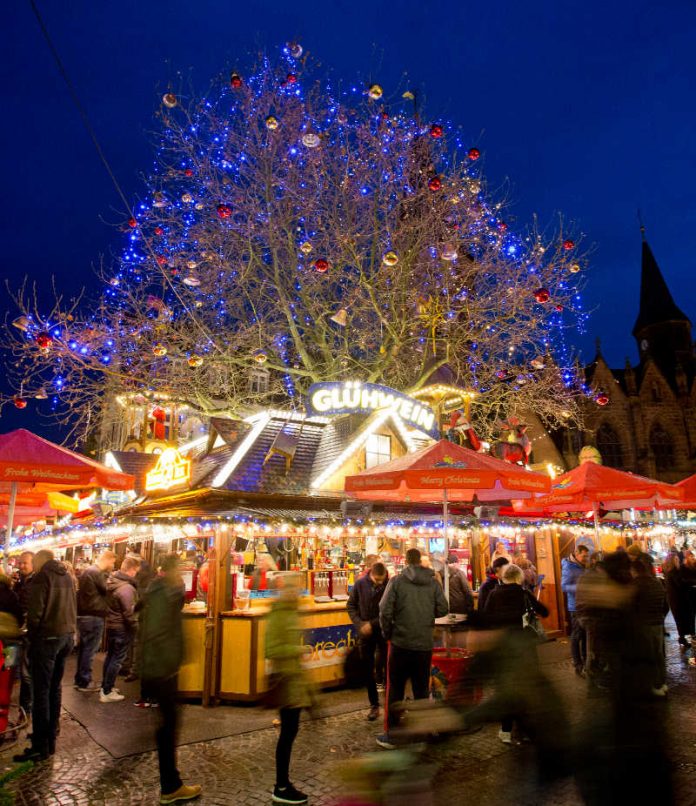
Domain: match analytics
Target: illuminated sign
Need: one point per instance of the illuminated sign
(170, 471)
(364, 398)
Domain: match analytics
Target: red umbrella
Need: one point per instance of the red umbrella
(446, 472)
(688, 487)
(31, 464)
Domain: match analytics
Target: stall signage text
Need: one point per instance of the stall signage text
(326, 646)
(356, 397)
(171, 470)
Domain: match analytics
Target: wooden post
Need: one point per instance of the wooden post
(218, 556)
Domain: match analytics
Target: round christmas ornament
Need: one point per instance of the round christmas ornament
(169, 100)
(272, 123)
(575, 268)
(187, 198)
(436, 130)
(191, 280)
(311, 140)
(260, 356)
(375, 92)
(159, 350)
(199, 205)
(568, 245)
(473, 153)
(449, 252)
(342, 118)
(559, 307)
(602, 398)
(435, 183)
(306, 248)
(224, 210)
(295, 49)
(502, 226)
(44, 341)
(390, 258)
(159, 231)
(542, 295)
(159, 199)
(195, 360)
(537, 363)
(474, 186)
(188, 172)
(235, 81)
(291, 78)
(132, 223)
(321, 265)
(20, 402)
(191, 264)
(161, 260)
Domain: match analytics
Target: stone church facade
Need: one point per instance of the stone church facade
(647, 424)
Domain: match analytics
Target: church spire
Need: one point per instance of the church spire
(657, 306)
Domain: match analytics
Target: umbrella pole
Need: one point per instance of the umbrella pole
(445, 518)
(598, 540)
(10, 523)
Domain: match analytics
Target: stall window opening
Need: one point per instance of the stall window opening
(377, 450)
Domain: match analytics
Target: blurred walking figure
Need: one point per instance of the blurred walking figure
(679, 596)
(529, 571)
(290, 690)
(51, 620)
(493, 580)
(461, 599)
(162, 652)
(92, 607)
(407, 613)
(363, 609)
(121, 624)
(650, 609)
(21, 588)
(572, 568)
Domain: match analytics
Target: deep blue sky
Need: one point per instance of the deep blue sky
(586, 106)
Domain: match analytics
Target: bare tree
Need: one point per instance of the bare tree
(319, 235)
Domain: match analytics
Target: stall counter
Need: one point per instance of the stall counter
(328, 632)
(193, 665)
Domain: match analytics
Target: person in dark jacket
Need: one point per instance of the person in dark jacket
(678, 596)
(407, 613)
(92, 607)
(363, 609)
(121, 622)
(51, 618)
(9, 602)
(572, 568)
(25, 566)
(161, 654)
(649, 610)
(461, 599)
(493, 580)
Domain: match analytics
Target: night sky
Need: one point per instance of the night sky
(582, 107)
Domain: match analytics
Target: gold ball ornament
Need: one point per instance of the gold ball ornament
(575, 268)
(169, 100)
(272, 123)
(195, 360)
(306, 248)
(159, 350)
(187, 198)
(260, 356)
(449, 252)
(390, 258)
(375, 92)
(311, 140)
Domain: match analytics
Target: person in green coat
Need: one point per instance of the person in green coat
(291, 692)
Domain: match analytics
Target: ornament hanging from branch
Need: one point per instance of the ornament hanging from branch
(390, 258)
(375, 92)
(321, 265)
(169, 100)
(235, 81)
(542, 295)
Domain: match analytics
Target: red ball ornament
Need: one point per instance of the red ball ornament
(473, 153)
(602, 398)
(501, 374)
(44, 341)
(568, 245)
(502, 226)
(188, 172)
(321, 265)
(235, 81)
(161, 260)
(224, 210)
(291, 78)
(159, 231)
(542, 295)
(20, 403)
(436, 130)
(132, 223)
(559, 308)
(435, 184)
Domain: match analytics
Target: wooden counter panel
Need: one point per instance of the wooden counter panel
(236, 666)
(191, 671)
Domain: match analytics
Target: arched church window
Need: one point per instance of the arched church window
(662, 448)
(609, 445)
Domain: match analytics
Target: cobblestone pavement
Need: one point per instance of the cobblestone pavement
(238, 770)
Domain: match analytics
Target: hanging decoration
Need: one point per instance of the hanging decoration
(311, 140)
(159, 350)
(435, 183)
(169, 100)
(473, 153)
(20, 402)
(224, 210)
(542, 295)
(449, 252)
(306, 247)
(436, 131)
(574, 268)
(260, 356)
(22, 323)
(295, 49)
(340, 317)
(321, 265)
(601, 398)
(132, 223)
(568, 245)
(44, 341)
(272, 123)
(390, 258)
(375, 92)
(235, 81)
(195, 360)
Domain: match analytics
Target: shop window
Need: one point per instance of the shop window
(609, 445)
(662, 448)
(258, 381)
(377, 450)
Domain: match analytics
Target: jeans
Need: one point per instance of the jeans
(117, 643)
(373, 649)
(289, 725)
(47, 657)
(578, 648)
(404, 665)
(91, 629)
(25, 686)
(163, 691)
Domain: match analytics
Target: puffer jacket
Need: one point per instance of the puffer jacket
(571, 571)
(409, 607)
(161, 633)
(284, 649)
(123, 597)
(52, 606)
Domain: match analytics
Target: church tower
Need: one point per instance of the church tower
(662, 330)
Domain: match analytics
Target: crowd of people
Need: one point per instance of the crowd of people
(133, 610)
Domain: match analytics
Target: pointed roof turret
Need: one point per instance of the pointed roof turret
(656, 302)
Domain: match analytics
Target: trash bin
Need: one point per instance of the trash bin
(450, 679)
